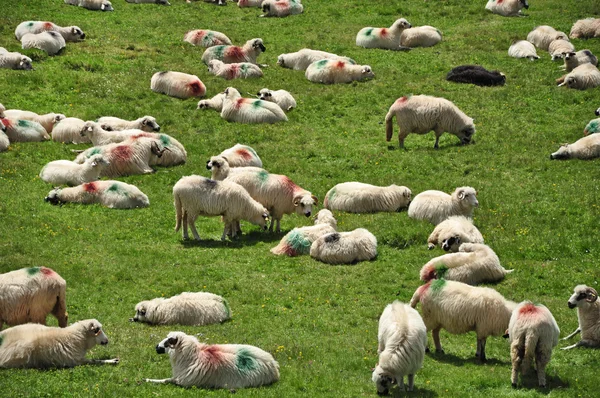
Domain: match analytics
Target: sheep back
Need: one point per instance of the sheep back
(345, 247)
(177, 84)
(356, 197)
(200, 308)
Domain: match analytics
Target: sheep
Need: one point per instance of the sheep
(39, 346)
(476, 74)
(98, 136)
(523, 49)
(234, 54)
(507, 8)
(220, 169)
(574, 59)
(145, 123)
(533, 333)
(386, 38)
(69, 33)
(592, 127)
(298, 240)
(70, 173)
(94, 5)
(345, 247)
(543, 35)
(420, 36)
(51, 42)
(108, 193)
(216, 2)
(597, 112)
(281, 97)
(206, 38)
(177, 84)
(558, 48)
(241, 156)
(229, 366)
(452, 232)
(460, 308)
(242, 70)
(585, 28)
(187, 308)
(2, 110)
(162, 2)
(14, 60)
(402, 340)
(436, 206)
(250, 110)
(585, 298)
(281, 8)
(420, 114)
(24, 130)
(215, 103)
(47, 121)
(584, 148)
(195, 195)
(357, 197)
(300, 60)
(581, 78)
(328, 71)
(68, 130)
(4, 141)
(249, 3)
(30, 294)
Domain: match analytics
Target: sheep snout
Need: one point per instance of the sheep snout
(571, 305)
(160, 349)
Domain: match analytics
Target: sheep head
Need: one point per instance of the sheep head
(53, 197)
(467, 197)
(257, 44)
(173, 340)
(304, 203)
(451, 244)
(524, 3)
(25, 63)
(383, 380)
(582, 294)
(148, 122)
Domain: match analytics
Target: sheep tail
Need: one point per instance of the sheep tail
(508, 271)
(178, 213)
(415, 298)
(389, 125)
(531, 340)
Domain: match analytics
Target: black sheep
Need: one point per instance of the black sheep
(476, 74)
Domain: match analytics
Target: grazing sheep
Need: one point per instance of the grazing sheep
(585, 28)
(242, 70)
(584, 148)
(559, 48)
(234, 54)
(50, 42)
(24, 130)
(206, 38)
(281, 97)
(177, 84)
(356, 197)
(65, 172)
(345, 247)
(250, 110)
(574, 59)
(387, 38)
(241, 156)
(220, 169)
(30, 294)
(215, 103)
(298, 240)
(301, 59)
(249, 3)
(592, 127)
(588, 313)
(420, 114)
(533, 333)
(14, 60)
(543, 35)
(328, 71)
(523, 49)
(281, 8)
(420, 36)
(145, 123)
(111, 194)
(581, 78)
(69, 33)
(436, 206)
(452, 232)
(229, 366)
(460, 308)
(507, 8)
(39, 346)
(198, 308)
(476, 74)
(195, 195)
(47, 121)
(68, 130)
(402, 340)
(163, 2)
(94, 5)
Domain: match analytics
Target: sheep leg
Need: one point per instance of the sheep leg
(192, 223)
(583, 343)
(435, 333)
(401, 137)
(480, 353)
(411, 382)
(438, 133)
(160, 381)
(278, 226)
(516, 357)
(113, 361)
(184, 229)
(541, 360)
(60, 311)
(577, 331)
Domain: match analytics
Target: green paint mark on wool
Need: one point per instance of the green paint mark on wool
(368, 32)
(257, 104)
(245, 362)
(24, 123)
(244, 68)
(33, 270)
(164, 139)
(207, 39)
(437, 285)
(331, 195)
(94, 151)
(218, 51)
(321, 64)
(227, 308)
(441, 270)
(592, 127)
(30, 24)
(263, 176)
(113, 188)
(298, 242)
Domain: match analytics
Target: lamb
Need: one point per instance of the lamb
(241, 156)
(70, 173)
(30, 294)
(507, 8)
(345, 247)
(242, 70)
(592, 127)
(69, 33)
(215, 103)
(195, 195)
(452, 232)
(206, 38)
(298, 240)
(24, 130)
(199, 308)
(220, 169)
(558, 48)
(39, 346)
(420, 114)
(177, 84)
(111, 194)
(574, 59)
(533, 333)
(162, 2)
(386, 38)
(234, 54)
(14, 60)
(523, 49)
(584, 148)
(543, 35)
(281, 97)
(145, 123)
(420, 36)
(47, 121)
(249, 3)
(588, 313)
(460, 308)
(68, 130)
(476, 74)
(402, 340)
(250, 110)
(357, 197)
(436, 206)
(229, 366)
(94, 5)
(281, 8)
(301, 59)
(585, 29)
(51, 42)
(329, 71)
(581, 78)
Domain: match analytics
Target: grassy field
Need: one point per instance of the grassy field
(319, 321)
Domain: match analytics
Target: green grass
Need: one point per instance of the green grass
(319, 321)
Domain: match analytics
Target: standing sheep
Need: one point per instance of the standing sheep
(177, 84)
(584, 148)
(241, 156)
(47, 121)
(298, 240)
(187, 308)
(69, 33)
(68, 130)
(111, 194)
(250, 110)
(436, 206)
(233, 54)
(476, 74)
(145, 123)
(581, 78)
(50, 42)
(281, 8)
(14, 60)
(24, 131)
(61, 172)
(206, 38)
(345, 247)
(329, 71)
(242, 70)
(523, 49)
(507, 8)
(543, 35)
(300, 60)
(215, 103)
(281, 97)
(585, 29)
(420, 114)
(452, 232)
(94, 5)
(356, 197)
(386, 38)
(559, 48)
(574, 59)
(585, 299)
(420, 36)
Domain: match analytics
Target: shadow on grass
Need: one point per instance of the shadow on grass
(458, 361)
(417, 392)
(243, 240)
(530, 382)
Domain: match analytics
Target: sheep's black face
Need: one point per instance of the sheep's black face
(160, 349)
(597, 112)
(571, 305)
(53, 199)
(383, 385)
(451, 242)
(266, 8)
(525, 4)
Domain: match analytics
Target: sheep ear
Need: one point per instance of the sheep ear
(461, 194)
(94, 163)
(315, 199)
(227, 160)
(296, 201)
(172, 342)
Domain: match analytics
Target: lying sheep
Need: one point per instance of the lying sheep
(452, 232)
(220, 169)
(345, 247)
(162, 2)
(543, 35)
(199, 308)
(14, 60)
(65, 172)
(177, 84)
(249, 3)
(234, 54)
(281, 97)
(39, 346)
(357, 197)
(402, 340)
(47, 121)
(145, 123)
(533, 333)
(436, 206)
(597, 112)
(68, 130)
(30, 294)
(507, 8)
(4, 141)
(50, 42)
(460, 308)
(585, 298)
(229, 366)
(581, 78)
(558, 48)
(242, 70)
(574, 59)
(584, 148)
(215, 103)
(329, 71)
(420, 36)
(250, 110)
(387, 38)
(298, 240)
(241, 156)
(420, 114)
(69, 33)
(98, 136)
(300, 60)
(206, 38)
(94, 5)
(24, 130)
(476, 74)
(592, 127)
(281, 8)
(111, 194)
(523, 49)
(585, 28)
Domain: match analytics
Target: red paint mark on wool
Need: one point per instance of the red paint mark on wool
(48, 25)
(423, 289)
(211, 355)
(122, 153)
(401, 100)
(244, 154)
(239, 103)
(289, 251)
(529, 309)
(429, 274)
(46, 271)
(235, 52)
(6, 123)
(91, 187)
(200, 34)
(289, 185)
(340, 64)
(499, 1)
(232, 71)
(384, 32)
(140, 135)
(197, 88)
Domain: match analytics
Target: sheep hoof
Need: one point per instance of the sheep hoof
(427, 349)
(514, 385)
(440, 351)
(430, 246)
(543, 386)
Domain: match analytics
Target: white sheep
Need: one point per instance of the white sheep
(420, 36)
(241, 70)
(47, 121)
(387, 38)
(24, 130)
(145, 123)
(250, 110)
(507, 8)
(345, 247)
(581, 78)
(195, 195)
(281, 8)
(2, 110)
(229, 366)
(584, 148)
(402, 340)
(99, 136)
(206, 38)
(452, 232)
(328, 71)
(51, 42)
(523, 49)
(300, 60)
(533, 333)
(298, 240)
(65, 172)
(187, 308)
(111, 194)
(69, 33)
(215, 103)
(574, 59)
(241, 156)
(162, 2)
(30, 294)
(543, 35)
(14, 60)
(585, 28)
(592, 127)
(559, 48)
(357, 197)
(420, 114)
(460, 308)
(220, 169)
(233, 54)
(4, 141)
(585, 298)
(94, 5)
(436, 206)
(68, 130)
(177, 84)
(39, 346)
(281, 97)
(249, 3)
